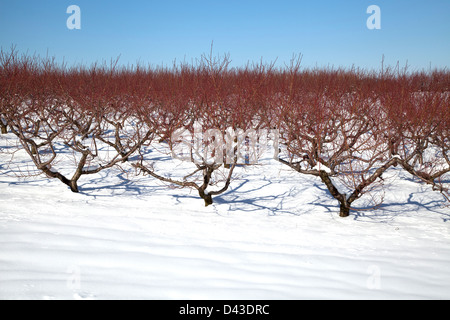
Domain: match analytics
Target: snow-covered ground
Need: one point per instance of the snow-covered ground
(274, 235)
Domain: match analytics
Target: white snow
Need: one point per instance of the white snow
(91, 167)
(275, 235)
(322, 167)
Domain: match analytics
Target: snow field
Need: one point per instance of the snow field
(274, 235)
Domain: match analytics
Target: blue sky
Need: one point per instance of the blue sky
(325, 32)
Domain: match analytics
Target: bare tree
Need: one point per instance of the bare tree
(218, 116)
(333, 132)
(62, 123)
(419, 126)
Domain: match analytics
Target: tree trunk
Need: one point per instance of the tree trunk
(73, 186)
(205, 196)
(208, 200)
(342, 198)
(344, 210)
(34, 149)
(3, 125)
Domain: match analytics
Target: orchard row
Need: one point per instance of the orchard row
(346, 127)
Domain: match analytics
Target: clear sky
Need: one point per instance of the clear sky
(325, 32)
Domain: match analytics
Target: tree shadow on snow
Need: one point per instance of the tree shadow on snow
(112, 184)
(246, 196)
(243, 199)
(417, 201)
